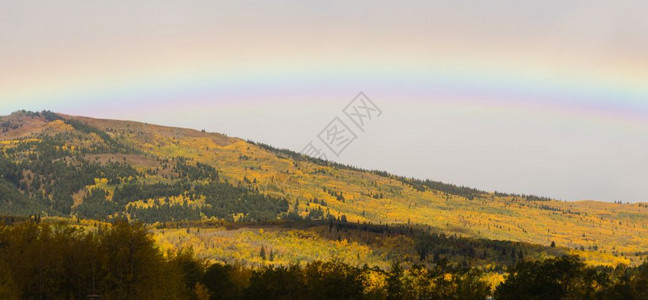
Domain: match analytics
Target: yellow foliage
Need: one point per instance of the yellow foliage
(609, 233)
(288, 246)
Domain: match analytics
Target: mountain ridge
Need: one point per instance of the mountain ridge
(87, 167)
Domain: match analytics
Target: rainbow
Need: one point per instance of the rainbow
(621, 99)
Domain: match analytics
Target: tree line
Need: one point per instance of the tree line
(417, 184)
(121, 261)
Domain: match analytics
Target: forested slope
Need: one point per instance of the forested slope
(55, 164)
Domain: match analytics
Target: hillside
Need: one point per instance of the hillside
(60, 165)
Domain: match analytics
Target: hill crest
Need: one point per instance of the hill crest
(94, 168)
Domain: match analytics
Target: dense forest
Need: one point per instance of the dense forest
(57, 165)
(45, 175)
(121, 261)
(128, 210)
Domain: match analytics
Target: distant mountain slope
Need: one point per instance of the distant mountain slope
(67, 165)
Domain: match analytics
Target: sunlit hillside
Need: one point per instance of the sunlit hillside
(155, 173)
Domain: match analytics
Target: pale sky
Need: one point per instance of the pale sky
(538, 97)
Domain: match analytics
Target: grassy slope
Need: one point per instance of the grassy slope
(612, 228)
